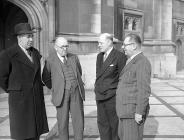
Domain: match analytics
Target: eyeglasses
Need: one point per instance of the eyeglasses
(125, 45)
(65, 46)
(62, 47)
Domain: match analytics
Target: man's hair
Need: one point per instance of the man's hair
(134, 38)
(108, 36)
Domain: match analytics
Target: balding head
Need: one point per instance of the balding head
(61, 46)
(61, 41)
(105, 42)
(132, 44)
(106, 36)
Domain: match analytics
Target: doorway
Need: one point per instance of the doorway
(10, 15)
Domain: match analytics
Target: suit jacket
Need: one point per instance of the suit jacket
(22, 80)
(132, 95)
(107, 74)
(53, 76)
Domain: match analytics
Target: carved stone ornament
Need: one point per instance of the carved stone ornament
(44, 2)
(131, 22)
(180, 28)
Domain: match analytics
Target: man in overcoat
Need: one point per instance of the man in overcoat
(132, 95)
(62, 74)
(109, 64)
(20, 77)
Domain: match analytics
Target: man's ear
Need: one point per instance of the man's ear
(134, 46)
(55, 48)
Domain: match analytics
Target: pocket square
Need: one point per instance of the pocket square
(111, 65)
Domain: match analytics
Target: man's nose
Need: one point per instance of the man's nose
(31, 39)
(123, 47)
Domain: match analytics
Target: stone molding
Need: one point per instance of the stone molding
(37, 17)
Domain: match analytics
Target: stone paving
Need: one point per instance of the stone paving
(165, 121)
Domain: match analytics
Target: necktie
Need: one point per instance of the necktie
(105, 56)
(64, 60)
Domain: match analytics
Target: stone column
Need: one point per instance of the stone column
(107, 16)
(164, 58)
(51, 17)
(166, 22)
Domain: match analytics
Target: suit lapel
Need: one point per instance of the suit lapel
(35, 60)
(128, 66)
(21, 56)
(71, 60)
(107, 62)
(99, 63)
(57, 63)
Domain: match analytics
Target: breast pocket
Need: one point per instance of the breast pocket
(111, 68)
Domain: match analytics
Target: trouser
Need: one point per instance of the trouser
(73, 103)
(107, 119)
(130, 130)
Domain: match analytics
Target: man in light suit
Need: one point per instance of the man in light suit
(62, 74)
(132, 95)
(108, 67)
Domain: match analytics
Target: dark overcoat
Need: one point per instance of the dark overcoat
(22, 80)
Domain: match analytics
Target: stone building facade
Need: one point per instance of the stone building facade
(160, 23)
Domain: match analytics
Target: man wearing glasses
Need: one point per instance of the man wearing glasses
(132, 95)
(62, 74)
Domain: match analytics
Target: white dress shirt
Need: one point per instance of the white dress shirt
(132, 57)
(25, 51)
(61, 57)
(106, 54)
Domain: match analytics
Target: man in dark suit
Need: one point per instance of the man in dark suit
(132, 95)
(20, 77)
(108, 67)
(62, 74)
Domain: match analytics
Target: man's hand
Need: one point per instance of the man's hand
(138, 118)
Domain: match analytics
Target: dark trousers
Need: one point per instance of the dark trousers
(107, 119)
(73, 103)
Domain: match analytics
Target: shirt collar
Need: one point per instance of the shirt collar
(22, 48)
(108, 51)
(135, 55)
(61, 57)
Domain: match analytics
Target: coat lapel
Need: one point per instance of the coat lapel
(21, 56)
(36, 61)
(99, 64)
(107, 62)
(57, 63)
(71, 60)
(128, 66)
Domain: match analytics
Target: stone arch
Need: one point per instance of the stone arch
(37, 17)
